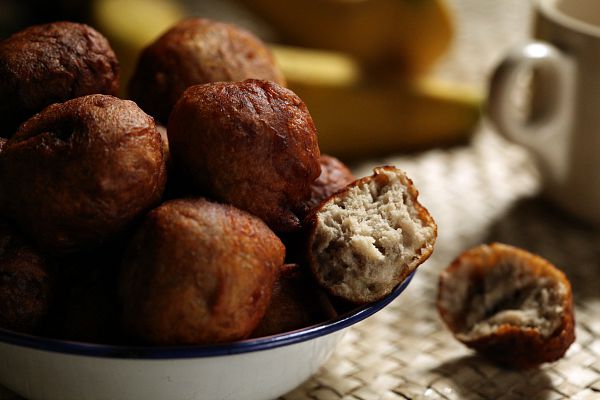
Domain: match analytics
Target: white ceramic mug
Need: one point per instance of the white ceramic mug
(562, 128)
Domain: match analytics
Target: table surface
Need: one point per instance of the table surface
(485, 191)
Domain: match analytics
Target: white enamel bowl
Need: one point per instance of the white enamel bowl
(257, 369)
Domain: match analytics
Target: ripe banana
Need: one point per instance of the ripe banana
(359, 119)
(400, 36)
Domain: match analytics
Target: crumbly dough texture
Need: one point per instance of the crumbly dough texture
(499, 299)
(369, 237)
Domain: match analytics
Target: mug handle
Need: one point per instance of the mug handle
(545, 130)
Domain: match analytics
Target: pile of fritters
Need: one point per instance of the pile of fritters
(117, 230)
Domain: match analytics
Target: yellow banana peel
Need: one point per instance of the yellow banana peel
(359, 119)
(399, 36)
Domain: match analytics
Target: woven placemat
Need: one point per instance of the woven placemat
(481, 193)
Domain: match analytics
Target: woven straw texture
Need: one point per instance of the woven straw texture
(486, 191)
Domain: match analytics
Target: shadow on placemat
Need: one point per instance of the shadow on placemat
(539, 227)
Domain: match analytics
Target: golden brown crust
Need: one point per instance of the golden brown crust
(81, 172)
(193, 52)
(26, 287)
(339, 286)
(251, 144)
(198, 272)
(508, 344)
(52, 63)
(525, 348)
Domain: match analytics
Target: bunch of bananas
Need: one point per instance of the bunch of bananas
(358, 118)
(361, 66)
(367, 87)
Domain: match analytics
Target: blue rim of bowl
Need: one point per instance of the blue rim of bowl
(175, 352)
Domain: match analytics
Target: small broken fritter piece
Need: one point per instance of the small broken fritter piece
(367, 238)
(514, 307)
